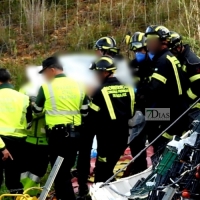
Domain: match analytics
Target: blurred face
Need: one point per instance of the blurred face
(49, 73)
(101, 75)
(154, 45)
(99, 53)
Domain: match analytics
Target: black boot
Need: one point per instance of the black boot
(83, 193)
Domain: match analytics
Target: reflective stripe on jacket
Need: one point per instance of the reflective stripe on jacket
(64, 98)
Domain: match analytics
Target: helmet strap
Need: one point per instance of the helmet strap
(181, 45)
(179, 51)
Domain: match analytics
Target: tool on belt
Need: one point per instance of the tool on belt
(64, 130)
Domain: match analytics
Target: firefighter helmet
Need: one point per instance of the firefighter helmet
(105, 63)
(160, 32)
(175, 39)
(106, 44)
(138, 40)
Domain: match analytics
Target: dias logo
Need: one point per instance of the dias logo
(157, 114)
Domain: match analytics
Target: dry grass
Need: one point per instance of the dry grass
(4, 39)
(39, 27)
(76, 24)
(38, 19)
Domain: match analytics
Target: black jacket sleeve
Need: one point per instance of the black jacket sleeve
(29, 115)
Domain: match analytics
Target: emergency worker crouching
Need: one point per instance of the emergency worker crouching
(111, 107)
(15, 112)
(190, 63)
(63, 101)
(36, 153)
(166, 88)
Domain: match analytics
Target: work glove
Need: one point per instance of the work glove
(33, 98)
(137, 124)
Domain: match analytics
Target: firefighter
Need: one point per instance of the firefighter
(142, 69)
(111, 107)
(103, 46)
(142, 65)
(166, 88)
(15, 112)
(63, 100)
(190, 65)
(37, 159)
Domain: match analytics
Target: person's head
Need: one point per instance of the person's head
(5, 76)
(104, 68)
(138, 46)
(51, 68)
(158, 38)
(176, 43)
(106, 46)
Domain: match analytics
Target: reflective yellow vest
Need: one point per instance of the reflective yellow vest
(13, 113)
(63, 100)
(36, 134)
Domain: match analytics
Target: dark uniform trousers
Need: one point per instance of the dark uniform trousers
(67, 148)
(83, 164)
(111, 144)
(37, 159)
(150, 131)
(12, 168)
(140, 164)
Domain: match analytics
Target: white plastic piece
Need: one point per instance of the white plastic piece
(122, 186)
(180, 144)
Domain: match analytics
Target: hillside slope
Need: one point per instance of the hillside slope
(32, 31)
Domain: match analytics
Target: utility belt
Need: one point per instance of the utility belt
(64, 130)
(37, 140)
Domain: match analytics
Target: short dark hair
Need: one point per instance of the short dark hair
(5, 75)
(52, 62)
